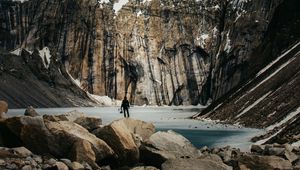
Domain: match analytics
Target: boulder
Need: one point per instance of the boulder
(264, 162)
(225, 155)
(194, 164)
(90, 123)
(3, 106)
(30, 111)
(174, 144)
(213, 157)
(141, 128)
(21, 152)
(82, 151)
(65, 133)
(162, 146)
(289, 155)
(30, 132)
(60, 166)
(69, 116)
(3, 109)
(55, 138)
(144, 168)
(121, 140)
(257, 148)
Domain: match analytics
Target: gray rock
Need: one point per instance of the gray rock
(61, 166)
(90, 123)
(76, 166)
(275, 151)
(38, 159)
(30, 111)
(289, 155)
(2, 162)
(257, 148)
(194, 164)
(213, 157)
(174, 143)
(264, 162)
(144, 168)
(51, 162)
(22, 152)
(162, 146)
(225, 155)
(26, 167)
(69, 116)
(121, 140)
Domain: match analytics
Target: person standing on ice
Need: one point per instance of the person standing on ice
(125, 106)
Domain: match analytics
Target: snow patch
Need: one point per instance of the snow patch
(276, 60)
(45, 55)
(119, 5)
(260, 142)
(17, 51)
(202, 39)
(103, 1)
(20, 1)
(139, 13)
(105, 100)
(275, 72)
(287, 118)
(254, 104)
(227, 47)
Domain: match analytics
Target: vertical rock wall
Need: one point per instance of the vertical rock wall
(156, 52)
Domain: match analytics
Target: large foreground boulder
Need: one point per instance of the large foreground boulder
(194, 164)
(263, 162)
(69, 116)
(56, 138)
(66, 132)
(90, 123)
(162, 146)
(3, 109)
(137, 127)
(121, 140)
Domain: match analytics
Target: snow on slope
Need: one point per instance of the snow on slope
(45, 55)
(254, 104)
(119, 5)
(286, 119)
(276, 60)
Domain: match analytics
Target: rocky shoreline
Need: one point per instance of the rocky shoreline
(74, 141)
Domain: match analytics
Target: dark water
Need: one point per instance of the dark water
(209, 138)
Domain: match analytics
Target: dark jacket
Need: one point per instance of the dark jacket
(125, 104)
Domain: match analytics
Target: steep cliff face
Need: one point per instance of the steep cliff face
(271, 98)
(156, 51)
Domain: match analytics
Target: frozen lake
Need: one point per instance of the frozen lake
(200, 133)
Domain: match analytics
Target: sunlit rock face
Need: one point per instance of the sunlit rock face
(159, 52)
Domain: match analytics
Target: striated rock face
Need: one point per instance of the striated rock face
(157, 52)
(271, 98)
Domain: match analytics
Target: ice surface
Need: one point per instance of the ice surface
(175, 118)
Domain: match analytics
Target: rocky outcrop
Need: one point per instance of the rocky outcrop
(163, 146)
(157, 52)
(26, 82)
(30, 111)
(64, 144)
(269, 99)
(3, 107)
(194, 164)
(55, 138)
